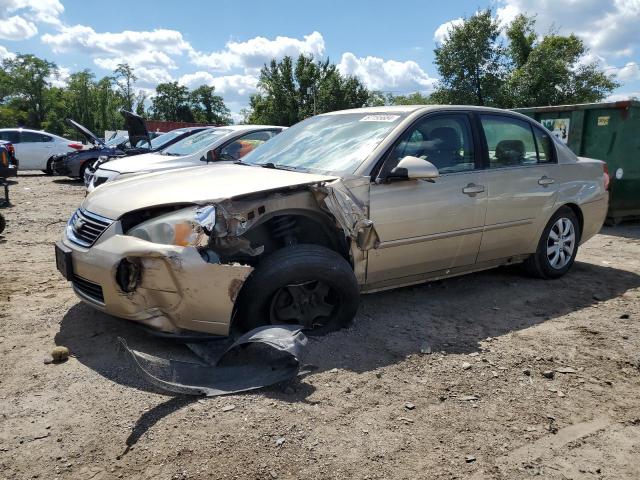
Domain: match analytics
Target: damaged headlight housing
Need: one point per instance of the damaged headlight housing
(187, 227)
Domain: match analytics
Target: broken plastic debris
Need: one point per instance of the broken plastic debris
(259, 358)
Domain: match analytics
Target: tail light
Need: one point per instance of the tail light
(605, 173)
(11, 148)
(76, 146)
(4, 159)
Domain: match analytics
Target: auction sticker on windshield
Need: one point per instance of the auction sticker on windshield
(380, 118)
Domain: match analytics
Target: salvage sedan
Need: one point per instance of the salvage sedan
(340, 204)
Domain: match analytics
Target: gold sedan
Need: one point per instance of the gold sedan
(340, 204)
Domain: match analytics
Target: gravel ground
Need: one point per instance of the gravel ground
(443, 380)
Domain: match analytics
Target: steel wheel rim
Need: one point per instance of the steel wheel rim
(309, 304)
(561, 243)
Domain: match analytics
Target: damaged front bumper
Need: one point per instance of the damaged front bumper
(170, 288)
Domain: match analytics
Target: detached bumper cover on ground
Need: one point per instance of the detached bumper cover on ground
(259, 358)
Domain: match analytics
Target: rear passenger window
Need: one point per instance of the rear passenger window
(34, 137)
(510, 141)
(546, 151)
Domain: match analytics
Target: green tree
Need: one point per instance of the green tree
(208, 107)
(125, 79)
(172, 103)
(416, 98)
(81, 95)
(108, 105)
(29, 82)
(550, 72)
(471, 62)
(291, 92)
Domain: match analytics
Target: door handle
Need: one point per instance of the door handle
(472, 189)
(544, 181)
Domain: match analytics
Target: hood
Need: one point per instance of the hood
(206, 183)
(85, 132)
(145, 162)
(137, 128)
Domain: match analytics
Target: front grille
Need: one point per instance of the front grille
(89, 289)
(85, 228)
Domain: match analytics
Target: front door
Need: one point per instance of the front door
(520, 179)
(34, 150)
(428, 227)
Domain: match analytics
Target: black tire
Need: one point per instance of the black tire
(539, 265)
(3, 223)
(303, 267)
(83, 169)
(49, 169)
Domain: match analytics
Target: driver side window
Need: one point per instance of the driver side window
(245, 144)
(444, 140)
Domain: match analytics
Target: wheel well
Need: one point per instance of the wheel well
(578, 213)
(292, 228)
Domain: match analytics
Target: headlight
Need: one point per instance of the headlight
(186, 227)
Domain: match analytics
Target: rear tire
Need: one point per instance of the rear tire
(557, 247)
(300, 284)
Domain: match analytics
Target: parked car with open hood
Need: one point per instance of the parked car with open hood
(212, 144)
(345, 202)
(35, 150)
(138, 141)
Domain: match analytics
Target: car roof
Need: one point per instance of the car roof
(19, 129)
(239, 128)
(407, 109)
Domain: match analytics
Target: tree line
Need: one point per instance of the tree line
(30, 98)
(480, 62)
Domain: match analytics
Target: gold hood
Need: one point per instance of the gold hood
(196, 185)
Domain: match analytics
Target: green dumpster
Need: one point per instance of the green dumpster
(606, 131)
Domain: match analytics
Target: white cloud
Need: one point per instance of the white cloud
(254, 53)
(608, 27)
(18, 18)
(4, 53)
(617, 97)
(17, 28)
(152, 59)
(389, 75)
(628, 73)
(61, 79)
(233, 88)
(442, 32)
(84, 39)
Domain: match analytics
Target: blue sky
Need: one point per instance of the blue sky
(389, 45)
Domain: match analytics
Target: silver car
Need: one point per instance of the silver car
(343, 203)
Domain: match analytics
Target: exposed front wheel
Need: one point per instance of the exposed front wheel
(558, 246)
(307, 285)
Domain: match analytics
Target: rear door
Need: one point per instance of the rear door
(520, 169)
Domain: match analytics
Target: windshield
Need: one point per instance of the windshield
(115, 141)
(165, 138)
(196, 142)
(331, 143)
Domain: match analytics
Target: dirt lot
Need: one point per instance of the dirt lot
(376, 407)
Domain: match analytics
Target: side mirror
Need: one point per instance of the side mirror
(414, 168)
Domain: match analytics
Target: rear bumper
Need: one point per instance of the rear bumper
(177, 290)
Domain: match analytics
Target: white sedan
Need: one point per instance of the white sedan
(213, 144)
(35, 149)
